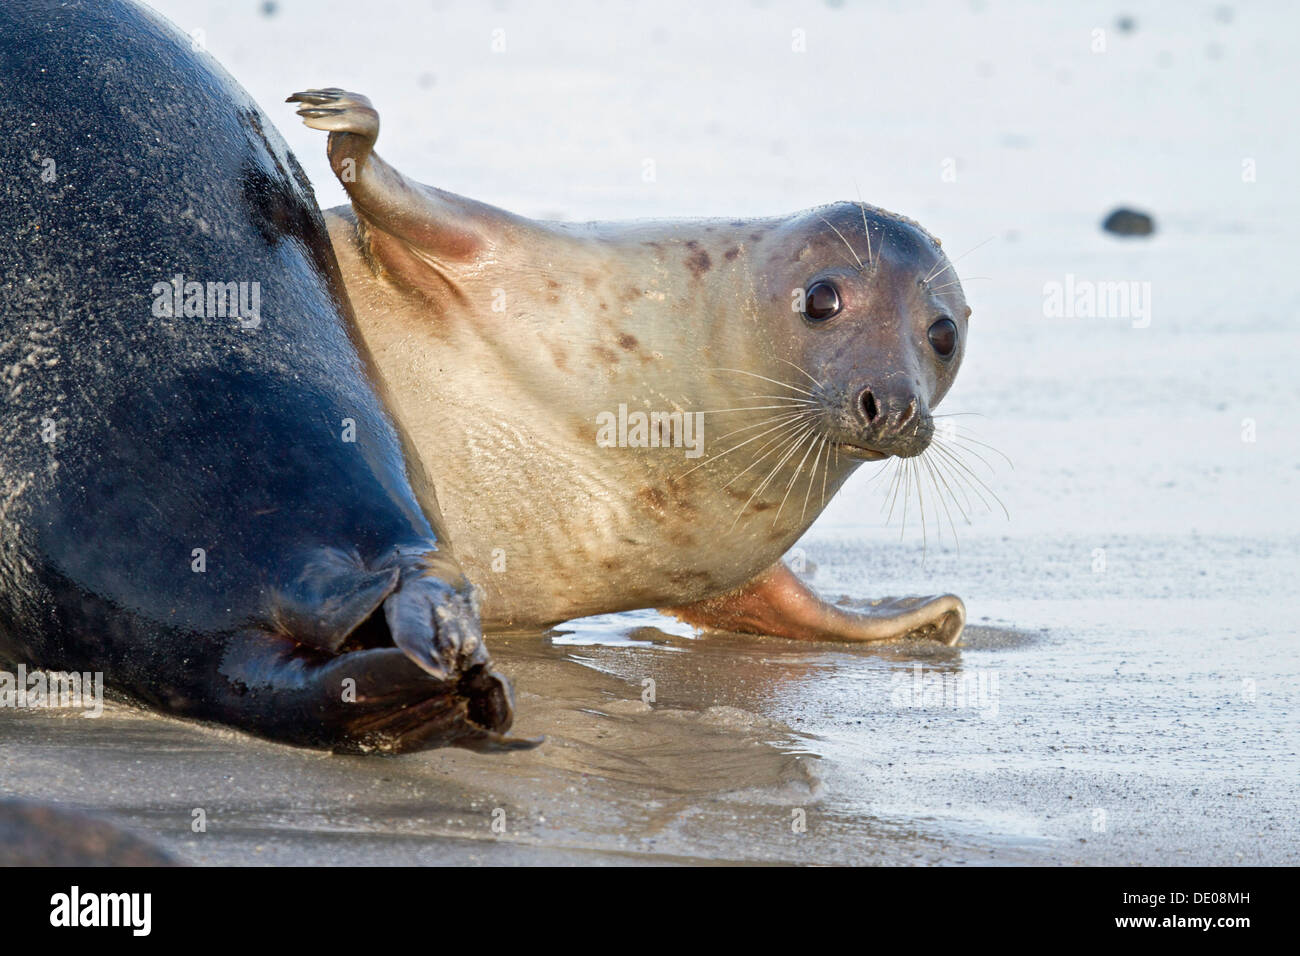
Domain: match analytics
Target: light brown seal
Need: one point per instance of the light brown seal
(541, 368)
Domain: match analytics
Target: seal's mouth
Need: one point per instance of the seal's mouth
(861, 452)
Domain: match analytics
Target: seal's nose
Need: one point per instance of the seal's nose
(893, 413)
(894, 421)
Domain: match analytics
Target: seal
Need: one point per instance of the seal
(202, 494)
(629, 415)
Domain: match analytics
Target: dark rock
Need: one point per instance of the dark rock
(1129, 222)
(36, 834)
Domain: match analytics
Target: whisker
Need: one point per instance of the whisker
(790, 431)
(793, 478)
(794, 446)
(747, 408)
(906, 496)
(968, 451)
(733, 448)
(775, 419)
(826, 467)
(920, 502)
(936, 274)
(741, 371)
(790, 453)
(962, 465)
(938, 473)
(787, 398)
(802, 372)
(966, 486)
(866, 229)
(953, 262)
(882, 471)
(940, 288)
(979, 245)
(895, 485)
(886, 468)
(843, 240)
(934, 481)
(984, 444)
(958, 486)
(812, 475)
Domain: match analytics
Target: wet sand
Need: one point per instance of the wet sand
(745, 737)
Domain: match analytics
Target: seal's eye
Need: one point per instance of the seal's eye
(943, 336)
(821, 301)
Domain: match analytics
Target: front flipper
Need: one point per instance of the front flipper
(778, 603)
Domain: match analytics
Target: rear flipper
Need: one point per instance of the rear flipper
(778, 603)
(360, 659)
(375, 700)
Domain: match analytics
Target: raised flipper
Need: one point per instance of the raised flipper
(778, 603)
(410, 228)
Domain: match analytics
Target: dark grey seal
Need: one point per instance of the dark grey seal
(202, 493)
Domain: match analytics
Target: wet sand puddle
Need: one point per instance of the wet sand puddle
(660, 747)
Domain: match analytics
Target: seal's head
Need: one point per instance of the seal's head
(877, 323)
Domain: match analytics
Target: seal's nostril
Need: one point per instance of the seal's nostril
(869, 406)
(908, 414)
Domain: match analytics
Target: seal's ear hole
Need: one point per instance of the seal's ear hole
(821, 301)
(943, 336)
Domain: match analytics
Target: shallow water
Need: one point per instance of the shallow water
(1134, 622)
